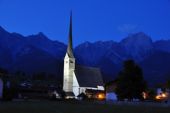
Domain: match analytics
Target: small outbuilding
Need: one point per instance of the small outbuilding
(110, 91)
(111, 96)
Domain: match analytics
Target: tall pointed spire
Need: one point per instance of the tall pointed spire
(70, 45)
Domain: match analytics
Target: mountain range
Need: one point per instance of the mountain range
(37, 53)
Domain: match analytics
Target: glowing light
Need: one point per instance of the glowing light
(158, 97)
(101, 96)
(161, 96)
(144, 95)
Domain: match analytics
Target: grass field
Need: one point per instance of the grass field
(75, 107)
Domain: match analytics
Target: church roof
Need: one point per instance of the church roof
(88, 76)
(70, 44)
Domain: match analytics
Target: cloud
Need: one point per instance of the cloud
(127, 28)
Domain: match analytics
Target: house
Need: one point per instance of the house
(78, 79)
(1, 88)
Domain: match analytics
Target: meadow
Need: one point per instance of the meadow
(76, 107)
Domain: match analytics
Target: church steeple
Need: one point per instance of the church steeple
(69, 66)
(70, 45)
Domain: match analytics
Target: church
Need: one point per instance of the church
(79, 79)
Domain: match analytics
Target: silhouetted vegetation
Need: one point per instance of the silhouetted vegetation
(3, 72)
(130, 82)
(7, 90)
(167, 83)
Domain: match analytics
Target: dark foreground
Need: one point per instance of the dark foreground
(76, 107)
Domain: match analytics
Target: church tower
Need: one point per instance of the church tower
(69, 66)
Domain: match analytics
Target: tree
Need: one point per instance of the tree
(130, 82)
(40, 76)
(3, 72)
(167, 83)
(20, 76)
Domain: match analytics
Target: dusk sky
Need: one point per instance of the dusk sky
(93, 20)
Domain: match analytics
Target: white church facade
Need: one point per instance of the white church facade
(79, 79)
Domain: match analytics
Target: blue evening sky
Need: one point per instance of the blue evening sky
(93, 20)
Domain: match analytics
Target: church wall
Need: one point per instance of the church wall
(83, 89)
(75, 86)
(80, 90)
(68, 74)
